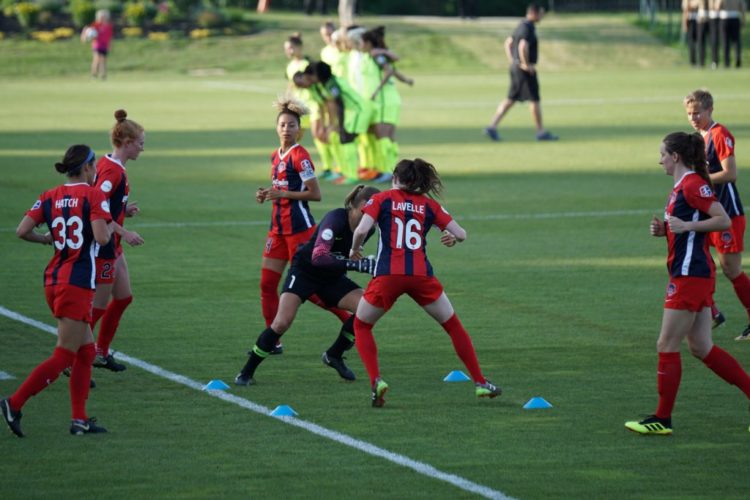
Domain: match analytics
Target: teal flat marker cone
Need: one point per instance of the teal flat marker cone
(537, 403)
(456, 376)
(216, 385)
(283, 411)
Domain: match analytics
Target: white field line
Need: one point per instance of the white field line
(370, 449)
(524, 216)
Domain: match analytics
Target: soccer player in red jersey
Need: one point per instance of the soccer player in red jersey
(113, 278)
(293, 185)
(722, 168)
(691, 214)
(77, 217)
(319, 269)
(404, 215)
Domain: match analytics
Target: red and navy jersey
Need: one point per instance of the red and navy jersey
(289, 173)
(112, 180)
(403, 221)
(68, 211)
(688, 253)
(720, 146)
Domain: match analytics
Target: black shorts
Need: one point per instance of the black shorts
(524, 86)
(329, 291)
(102, 52)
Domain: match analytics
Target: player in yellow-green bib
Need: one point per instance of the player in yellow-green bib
(293, 47)
(346, 112)
(386, 98)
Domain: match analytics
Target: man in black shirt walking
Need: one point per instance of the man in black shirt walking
(522, 49)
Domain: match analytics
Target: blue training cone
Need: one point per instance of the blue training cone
(456, 376)
(283, 411)
(216, 385)
(537, 403)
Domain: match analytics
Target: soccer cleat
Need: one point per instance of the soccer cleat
(487, 390)
(338, 365)
(546, 136)
(277, 349)
(745, 335)
(717, 320)
(12, 418)
(379, 388)
(109, 363)
(651, 426)
(88, 426)
(492, 134)
(66, 372)
(242, 379)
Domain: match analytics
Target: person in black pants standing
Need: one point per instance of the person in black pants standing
(731, 20)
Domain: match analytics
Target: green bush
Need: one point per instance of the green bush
(209, 18)
(27, 14)
(83, 12)
(113, 6)
(52, 6)
(134, 13)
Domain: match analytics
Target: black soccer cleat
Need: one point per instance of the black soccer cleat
(338, 365)
(12, 418)
(88, 426)
(745, 335)
(109, 363)
(277, 349)
(717, 320)
(242, 379)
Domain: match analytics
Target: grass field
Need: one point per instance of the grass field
(559, 283)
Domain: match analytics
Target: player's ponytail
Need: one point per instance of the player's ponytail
(124, 130)
(418, 176)
(691, 150)
(359, 195)
(295, 39)
(76, 157)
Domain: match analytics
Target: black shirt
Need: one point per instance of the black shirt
(525, 31)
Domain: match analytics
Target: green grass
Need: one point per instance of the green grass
(560, 306)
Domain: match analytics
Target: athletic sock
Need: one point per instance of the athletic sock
(344, 341)
(325, 154)
(110, 322)
(349, 154)
(269, 294)
(668, 376)
(367, 348)
(464, 348)
(80, 379)
(742, 288)
(267, 340)
(96, 315)
(341, 314)
(725, 366)
(43, 375)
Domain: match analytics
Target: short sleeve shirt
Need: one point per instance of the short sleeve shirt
(526, 31)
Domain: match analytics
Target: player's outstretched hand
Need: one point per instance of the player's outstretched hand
(261, 194)
(132, 238)
(448, 239)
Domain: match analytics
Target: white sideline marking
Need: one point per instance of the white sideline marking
(370, 449)
(523, 216)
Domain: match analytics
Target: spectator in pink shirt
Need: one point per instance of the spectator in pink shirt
(100, 34)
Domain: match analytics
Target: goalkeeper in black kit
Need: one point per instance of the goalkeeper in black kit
(319, 268)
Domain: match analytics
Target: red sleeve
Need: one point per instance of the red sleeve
(99, 206)
(372, 207)
(699, 194)
(106, 180)
(724, 143)
(35, 212)
(442, 217)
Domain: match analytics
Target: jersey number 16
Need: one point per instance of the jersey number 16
(410, 233)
